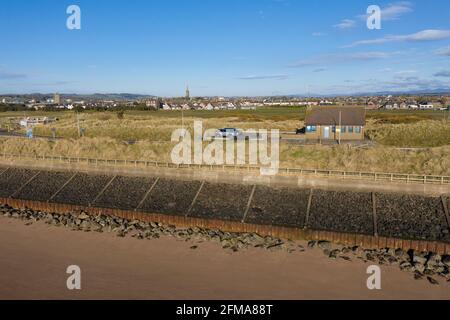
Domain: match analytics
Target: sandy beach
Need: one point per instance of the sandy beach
(34, 259)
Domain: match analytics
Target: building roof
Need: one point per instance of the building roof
(323, 116)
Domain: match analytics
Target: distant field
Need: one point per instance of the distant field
(406, 116)
(272, 113)
(107, 136)
(266, 113)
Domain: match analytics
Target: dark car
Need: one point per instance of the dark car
(301, 131)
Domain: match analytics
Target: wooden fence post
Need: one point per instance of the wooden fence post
(249, 202)
(308, 209)
(195, 199)
(374, 213)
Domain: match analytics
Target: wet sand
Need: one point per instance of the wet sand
(33, 262)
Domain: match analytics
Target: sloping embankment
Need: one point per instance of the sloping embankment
(378, 220)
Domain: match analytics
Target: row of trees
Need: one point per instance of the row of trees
(12, 107)
(18, 107)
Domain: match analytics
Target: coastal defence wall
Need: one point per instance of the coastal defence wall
(244, 176)
(372, 218)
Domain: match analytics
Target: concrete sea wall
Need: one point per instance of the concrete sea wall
(370, 217)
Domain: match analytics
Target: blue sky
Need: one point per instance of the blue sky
(218, 47)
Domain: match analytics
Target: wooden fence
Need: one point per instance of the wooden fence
(336, 174)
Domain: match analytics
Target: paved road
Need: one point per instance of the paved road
(4, 133)
(11, 134)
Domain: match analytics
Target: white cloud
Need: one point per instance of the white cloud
(443, 51)
(395, 85)
(11, 75)
(341, 58)
(393, 11)
(261, 14)
(425, 35)
(402, 72)
(345, 24)
(445, 74)
(414, 83)
(265, 77)
(318, 34)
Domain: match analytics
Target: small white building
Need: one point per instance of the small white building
(426, 106)
(231, 106)
(248, 107)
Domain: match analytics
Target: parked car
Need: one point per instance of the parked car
(301, 131)
(228, 133)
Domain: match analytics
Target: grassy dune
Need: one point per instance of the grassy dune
(421, 134)
(151, 128)
(108, 137)
(391, 129)
(385, 159)
(434, 161)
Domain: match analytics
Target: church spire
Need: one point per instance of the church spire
(188, 95)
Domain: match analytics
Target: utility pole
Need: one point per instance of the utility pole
(340, 125)
(182, 120)
(78, 124)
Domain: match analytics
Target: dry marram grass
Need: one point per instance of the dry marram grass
(108, 137)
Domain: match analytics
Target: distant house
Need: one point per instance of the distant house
(425, 106)
(372, 106)
(27, 122)
(403, 105)
(231, 106)
(335, 123)
(325, 102)
(248, 106)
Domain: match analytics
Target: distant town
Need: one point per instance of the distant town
(59, 101)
